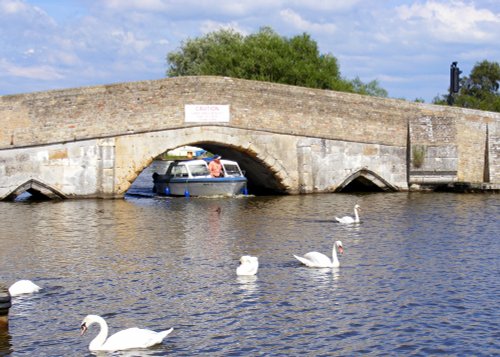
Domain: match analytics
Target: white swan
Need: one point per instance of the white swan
(319, 260)
(23, 287)
(126, 339)
(349, 219)
(249, 265)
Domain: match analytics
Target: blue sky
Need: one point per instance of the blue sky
(406, 45)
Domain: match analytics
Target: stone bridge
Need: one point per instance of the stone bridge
(95, 141)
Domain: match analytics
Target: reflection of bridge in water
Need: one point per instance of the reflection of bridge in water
(94, 142)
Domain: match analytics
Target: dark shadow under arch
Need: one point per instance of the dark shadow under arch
(261, 179)
(38, 190)
(365, 181)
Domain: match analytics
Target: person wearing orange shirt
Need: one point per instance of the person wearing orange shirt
(215, 167)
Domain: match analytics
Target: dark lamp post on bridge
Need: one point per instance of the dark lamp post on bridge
(454, 82)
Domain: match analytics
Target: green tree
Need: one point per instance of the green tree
(479, 90)
(371, 88)
(216, 53)
(264, 56)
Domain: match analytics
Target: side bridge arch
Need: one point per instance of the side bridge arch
(37, 190)
(365, 180)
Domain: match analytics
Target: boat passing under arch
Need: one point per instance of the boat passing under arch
(192, 178)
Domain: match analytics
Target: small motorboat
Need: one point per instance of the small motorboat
(192, 178)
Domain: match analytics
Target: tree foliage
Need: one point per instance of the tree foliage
(479, 90)
(371, 88)
(264, 56)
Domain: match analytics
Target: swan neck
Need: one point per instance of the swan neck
(335, 259)
(101, 337)
(356, 215)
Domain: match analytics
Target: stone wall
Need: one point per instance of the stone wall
(342, 130)
(456, 145)
(88, 113)
(107, 167)
(493, 152)
(78, 169)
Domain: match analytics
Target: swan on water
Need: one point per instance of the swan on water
(248, 265)
(349, 219)
(319, 260)
(23, 287)
(126, 339)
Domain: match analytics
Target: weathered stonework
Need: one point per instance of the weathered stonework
(94, 141)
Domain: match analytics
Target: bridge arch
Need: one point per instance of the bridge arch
(37, 189)
(264, 167)
(264, 173)
(365, 180)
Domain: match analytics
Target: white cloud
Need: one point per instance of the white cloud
(240, 8)
(452, 21)
(29, 52)
(393, 79)
(17, 15)
(322, 5)
(211, 26)
(13, 6)
(145, 5)
(60, 57)
(193, 8)
(129, 40)
(42, 72)
(480, 53)
(293, 18)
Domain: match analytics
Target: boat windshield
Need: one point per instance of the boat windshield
(232, 170)
(180, 171)
(199, 170)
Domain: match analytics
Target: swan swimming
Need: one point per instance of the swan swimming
(319, 260)
(23, 287)
(249, 265)
(349, 219)
(126, 339)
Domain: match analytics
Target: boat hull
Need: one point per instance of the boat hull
(230, 186)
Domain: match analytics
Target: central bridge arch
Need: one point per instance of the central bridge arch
(265, 168)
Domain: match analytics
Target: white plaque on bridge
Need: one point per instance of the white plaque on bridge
(202, 113)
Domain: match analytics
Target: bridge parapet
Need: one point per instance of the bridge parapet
(104, 111)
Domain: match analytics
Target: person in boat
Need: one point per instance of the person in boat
(215, 167)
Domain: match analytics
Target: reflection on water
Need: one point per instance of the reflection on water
(419, 274)
(5, 342)
(248, 286)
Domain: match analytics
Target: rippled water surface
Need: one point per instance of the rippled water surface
(419, 276)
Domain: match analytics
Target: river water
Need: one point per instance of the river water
(419, 276)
